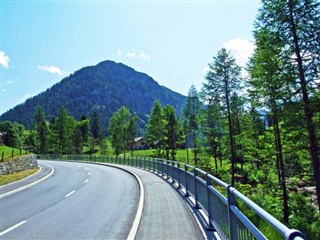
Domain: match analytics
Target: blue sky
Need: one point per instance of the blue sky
(172, 41)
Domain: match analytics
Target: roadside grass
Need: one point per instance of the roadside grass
(5, 179)
(8, 153)
(181, 155)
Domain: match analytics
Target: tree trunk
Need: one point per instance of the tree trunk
(277, 138)
(215, 159)
(313, 147)
(231, 137)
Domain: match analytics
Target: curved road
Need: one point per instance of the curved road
(79, 201)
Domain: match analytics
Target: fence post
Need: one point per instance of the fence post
(208, 183)
(178, 166)
(12, 153)
(231, 202)
(2, 157)
(186, 178)
(172, 177)
(195, 174)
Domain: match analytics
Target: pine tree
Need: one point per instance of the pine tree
(222, 80)
(172, 132)
(155, 127)
(41, 129)
(191, 114)
(294, 25)
(95, 130)
(84, 127)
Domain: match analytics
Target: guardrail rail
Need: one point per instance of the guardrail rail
(219, 201)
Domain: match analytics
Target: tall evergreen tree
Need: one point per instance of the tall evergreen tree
(155, 127)
(172, 132)
(77, 139)
(85, 125)
(41, 129)
(212, 131)
(95, 125)
(95, 130)
(191, 113)
(295, 25)
(62, 132)
(268, 84)
(222, 80)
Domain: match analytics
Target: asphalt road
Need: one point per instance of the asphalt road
(165, 213)
(79, 201)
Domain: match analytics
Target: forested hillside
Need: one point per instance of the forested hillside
(103, 88)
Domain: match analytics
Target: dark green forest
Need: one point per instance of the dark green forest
(255, 127)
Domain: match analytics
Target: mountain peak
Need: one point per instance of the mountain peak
(104, 88)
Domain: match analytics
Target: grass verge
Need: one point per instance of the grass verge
(5, 179)
(7, 153)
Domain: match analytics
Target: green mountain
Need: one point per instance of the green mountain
(104, 88)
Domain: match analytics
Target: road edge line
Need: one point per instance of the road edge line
(136, 222)
(28, 185)
(8, 184)
(137, 219)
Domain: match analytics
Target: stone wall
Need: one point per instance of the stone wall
(19, 164)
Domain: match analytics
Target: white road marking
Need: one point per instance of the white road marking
(28, 185)
(86, 181)
(13, 227)
(69, 194)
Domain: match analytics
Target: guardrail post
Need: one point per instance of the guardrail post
(231, 202)
(172, 163)
(208, 183)
(2, 157)
(160, 161)
(195, 174)
(178, 166)
(12, 153)
(186, 178)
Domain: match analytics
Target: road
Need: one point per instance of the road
(79, 201)
(165, 213)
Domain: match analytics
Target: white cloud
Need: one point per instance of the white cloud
(9, 82)
(51, 69)
(119, 53)
(4, 59)
(144, 56)
(131, 54)
(134, 54)
(241, 50)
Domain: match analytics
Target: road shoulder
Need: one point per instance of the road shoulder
(165, 215)
(11, 188)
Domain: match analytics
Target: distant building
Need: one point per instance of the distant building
(138, 143)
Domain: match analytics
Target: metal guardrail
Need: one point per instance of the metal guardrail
(224, 215)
